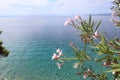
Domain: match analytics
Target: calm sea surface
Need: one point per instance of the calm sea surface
(32, 40)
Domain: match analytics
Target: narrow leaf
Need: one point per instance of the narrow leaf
(98, 25)
(90, 20)
(114, 70)
(115, 65)
(103, 58)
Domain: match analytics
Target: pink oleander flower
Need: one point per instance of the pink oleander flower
(115, 14)
(72, 44)
(118, 1)
(107, 64)
(59, 65)
(89, 70)
(116, 25)
(113, 73)
(77, 17)
(76, 65)
(60, 54)
(55, 57)
(115, 21)
(96, 35)
(85, 75)
(68, 22)
(58, 50)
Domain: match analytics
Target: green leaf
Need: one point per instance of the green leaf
(118, 43)
(100, 53)
(104, 44)
(82, 25)
(93, 23)
(116, 57)
(114, 70)
(115, 51)
(93, 46)
(80, 28)
(71, 58)
(103, 58)
(60, 60)
(98, 25)
(115, 65)
(90, 20)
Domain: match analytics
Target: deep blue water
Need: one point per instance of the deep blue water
(32, 40)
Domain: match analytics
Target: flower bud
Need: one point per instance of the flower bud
(72, 44)
(59, 65)
(113, 72)
(77, 17)
(76, 65)
(85, 75)
(68, 22)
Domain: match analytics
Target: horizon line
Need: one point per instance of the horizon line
(54, 14)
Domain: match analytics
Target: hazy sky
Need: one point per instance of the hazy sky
(54, 7)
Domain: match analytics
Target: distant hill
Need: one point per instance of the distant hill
(106, 14)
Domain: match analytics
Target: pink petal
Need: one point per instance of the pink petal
(96, 35)
(55, 57)
(60, 54)
(58, 50)
(85, 75)
(59, 65)
(72, 44)
(77, 17)
(68, 22)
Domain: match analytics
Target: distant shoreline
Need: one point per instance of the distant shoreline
(106, 14)
(101, 14)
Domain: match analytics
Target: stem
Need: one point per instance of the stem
(84, 47)
(69, 58)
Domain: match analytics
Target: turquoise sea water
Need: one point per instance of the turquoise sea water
(32, 40)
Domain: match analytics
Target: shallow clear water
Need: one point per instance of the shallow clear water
(32, 40)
